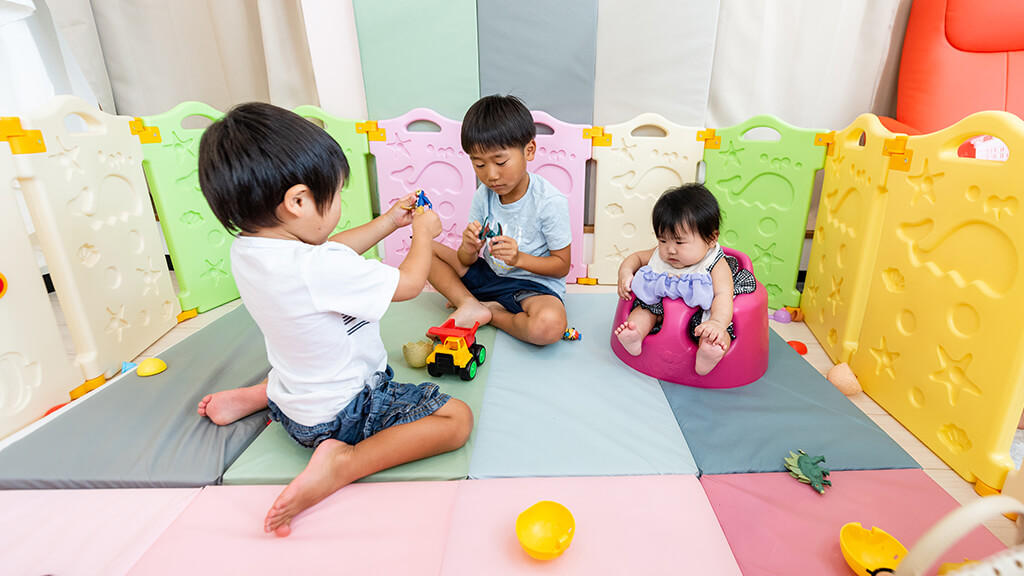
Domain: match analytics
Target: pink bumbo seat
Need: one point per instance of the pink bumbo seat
(669, 355)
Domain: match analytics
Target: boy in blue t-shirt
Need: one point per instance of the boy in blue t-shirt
(518, 282)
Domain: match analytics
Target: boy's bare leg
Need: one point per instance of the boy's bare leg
(230, 405)
(541, 322)
(335, 464)
(446, 277)
(637, 326)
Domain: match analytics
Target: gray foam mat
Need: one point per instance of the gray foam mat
(140, 432)
(792, 407)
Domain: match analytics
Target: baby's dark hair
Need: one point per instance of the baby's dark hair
(249, 158)
(495, 122)
(691, 207)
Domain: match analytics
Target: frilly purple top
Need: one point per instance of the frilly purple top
(695, 289)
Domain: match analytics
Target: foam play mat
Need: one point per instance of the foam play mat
(394, 528)
(623, 525)
(792, 407)
(95, 531)
(776, 525)
(274, 458)
(573, 409)
(144, 432)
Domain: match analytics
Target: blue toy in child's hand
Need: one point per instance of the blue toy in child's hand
(488, 232)
(422, 200)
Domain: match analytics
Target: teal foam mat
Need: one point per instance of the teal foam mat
(792, 407)
(139, 432)
(573, 409)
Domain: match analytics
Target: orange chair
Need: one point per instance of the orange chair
(959, 57)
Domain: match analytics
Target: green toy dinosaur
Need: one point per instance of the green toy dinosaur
(808, 470)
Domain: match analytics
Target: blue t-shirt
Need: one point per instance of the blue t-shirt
(538, 222)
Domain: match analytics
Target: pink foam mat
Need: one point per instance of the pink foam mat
(776, 525)
(83, 531)
(392, 528)
(624, 525)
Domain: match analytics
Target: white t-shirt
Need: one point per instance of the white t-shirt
(318, 308)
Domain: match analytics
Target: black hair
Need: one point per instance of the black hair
(250, 157)
(689, 207)
(496, 122)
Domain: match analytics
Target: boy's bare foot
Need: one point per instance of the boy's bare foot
(323, 476)
(227, 406)
(708, 356)
(630, 338)
(469, 313)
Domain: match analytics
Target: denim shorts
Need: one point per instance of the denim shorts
(486, 286)
(381, 404)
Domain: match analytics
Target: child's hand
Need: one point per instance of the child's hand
(471, 242)
(714, 332)
(625, 284)
(401, 212)
(426, 222)
(505, 249)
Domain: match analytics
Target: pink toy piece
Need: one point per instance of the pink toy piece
(669, 355)
(562, 160)
(411, 160)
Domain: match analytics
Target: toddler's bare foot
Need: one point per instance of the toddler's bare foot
(469, 313)
(225, 407)
(323, 476)
(708, 356)
(630, 338)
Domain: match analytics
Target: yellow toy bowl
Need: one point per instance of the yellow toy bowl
(868, 550)
(545, 529)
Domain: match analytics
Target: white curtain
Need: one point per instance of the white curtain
(223, 52)
(334, 49)
(35, 62)
(813, 64)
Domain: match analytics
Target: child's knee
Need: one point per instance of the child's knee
(547, 327)
(461, 417)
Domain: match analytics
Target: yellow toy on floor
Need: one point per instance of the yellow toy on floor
(545, 530)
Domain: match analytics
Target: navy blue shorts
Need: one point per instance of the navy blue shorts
(486, 286)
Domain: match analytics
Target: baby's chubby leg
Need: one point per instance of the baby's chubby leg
(227, 406)
(335, 464)
(637, 326)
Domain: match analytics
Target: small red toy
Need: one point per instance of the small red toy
(799, 346)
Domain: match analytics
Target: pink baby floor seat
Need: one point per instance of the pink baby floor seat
(669, 355)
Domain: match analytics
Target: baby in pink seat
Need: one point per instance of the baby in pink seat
(687, 263)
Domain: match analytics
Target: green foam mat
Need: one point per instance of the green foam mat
(274, 458)
(200, 247)
(764, 189)
(418, 54)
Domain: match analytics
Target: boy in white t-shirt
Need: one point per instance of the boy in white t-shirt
(275, 178)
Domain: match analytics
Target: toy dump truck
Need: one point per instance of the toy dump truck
(457, 353)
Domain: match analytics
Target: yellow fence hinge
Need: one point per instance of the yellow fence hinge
(899, 156)
(373, 134)
(146, 134)
(827, 139)
(711, 142)
(22, 141)
(597, 136)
